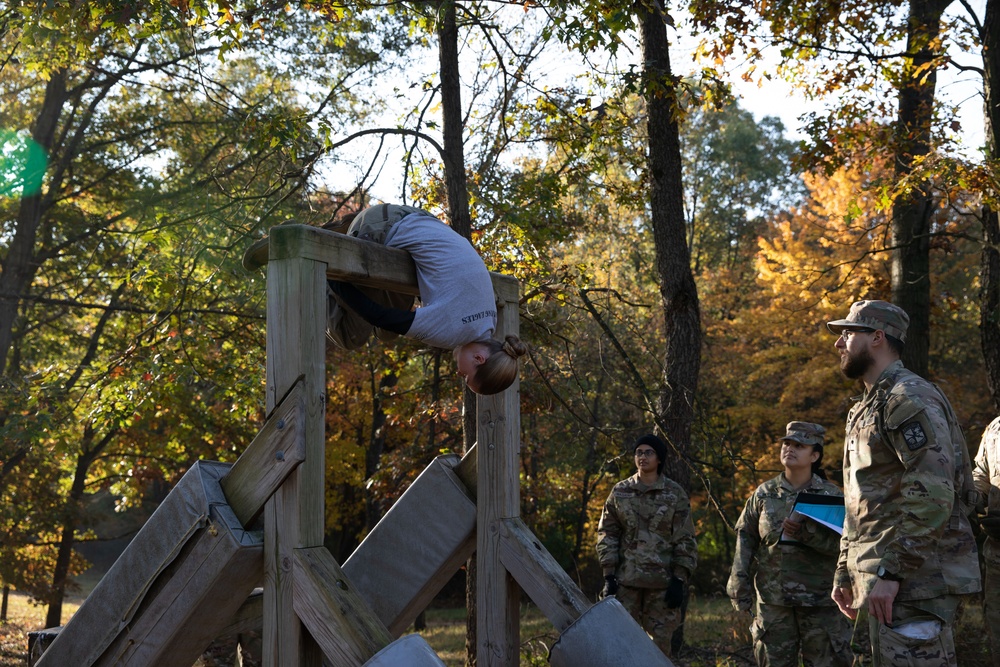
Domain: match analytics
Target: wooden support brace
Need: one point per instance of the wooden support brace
(346, 629)
(278, 448)
(540, 576)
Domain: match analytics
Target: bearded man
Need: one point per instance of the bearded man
(907, 554)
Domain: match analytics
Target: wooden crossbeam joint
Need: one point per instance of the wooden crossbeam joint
(346, 629)
(539, 575)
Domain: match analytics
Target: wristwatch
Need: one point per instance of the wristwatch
(883, 573)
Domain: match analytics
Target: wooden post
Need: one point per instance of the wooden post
(499, 444)
(293, 517)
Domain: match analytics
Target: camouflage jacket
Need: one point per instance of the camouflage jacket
(646, 533)
(793, 575)
(905, 462)
(987, 470)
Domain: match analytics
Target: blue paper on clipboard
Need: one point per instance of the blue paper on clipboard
(824, 510)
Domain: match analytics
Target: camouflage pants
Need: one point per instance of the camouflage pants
(921, 634)
(648, 606)
(991, 593)
(821, 634)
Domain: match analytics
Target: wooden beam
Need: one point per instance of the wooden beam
(356, 261)
(540, 576)
(498, 447)
(262, 467)
(293, 516)
(346, 629)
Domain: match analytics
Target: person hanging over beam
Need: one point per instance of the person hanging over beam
(458, 308)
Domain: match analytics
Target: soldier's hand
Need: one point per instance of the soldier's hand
(675, 593)
(844, 597)
(991, 525)
(742, 604)
(610, 586)
(881, 598)
(791, 528)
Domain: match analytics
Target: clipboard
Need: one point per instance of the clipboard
(825, 510)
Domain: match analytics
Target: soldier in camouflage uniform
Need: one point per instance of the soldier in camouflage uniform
(646, 544)
(907, 555)
(793, 610)
(987, 478)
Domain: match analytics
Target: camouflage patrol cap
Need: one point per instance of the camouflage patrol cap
(880, 315)
(805, 432)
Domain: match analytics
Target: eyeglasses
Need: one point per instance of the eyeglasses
(846, 333)
(644, 453)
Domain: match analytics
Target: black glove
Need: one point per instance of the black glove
(675, 593)
(610, 586)
(991, 525)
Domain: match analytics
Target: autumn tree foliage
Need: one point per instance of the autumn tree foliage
(132, 338)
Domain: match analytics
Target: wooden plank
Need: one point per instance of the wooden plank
(293, 517)
(356, 261)
(346, 629)
(498, 498)
(540, 576)
(278, 448)
(348, 258)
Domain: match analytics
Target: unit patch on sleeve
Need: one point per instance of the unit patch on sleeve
(913, 434)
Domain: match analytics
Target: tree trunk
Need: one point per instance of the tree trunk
(451, 117)
(461, 222)
(3, 604)
(989, 294)
(67, 538)
(912, 212)
(589, 468)
(681, 312)
(19, 266)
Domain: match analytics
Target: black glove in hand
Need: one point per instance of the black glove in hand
(991, 525)
(610, 586)
(675, 593)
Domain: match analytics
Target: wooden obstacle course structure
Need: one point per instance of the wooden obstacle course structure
(314, 612)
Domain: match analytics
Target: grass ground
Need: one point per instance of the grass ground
(715, 635)
(23, 617)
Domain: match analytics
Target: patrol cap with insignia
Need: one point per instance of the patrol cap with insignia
(806, 433)
(880, 315)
